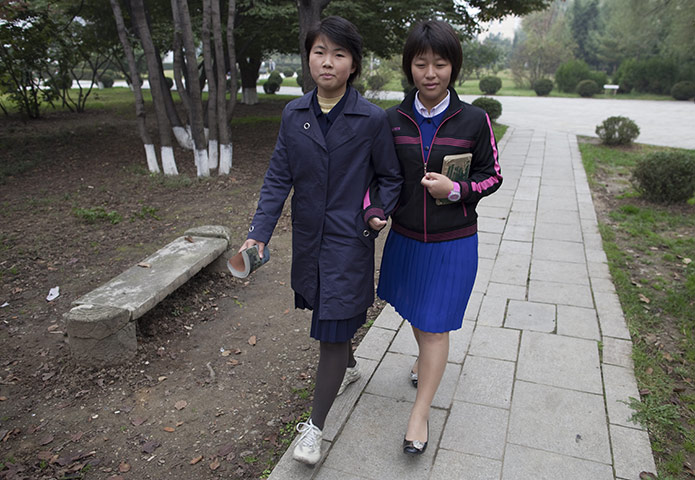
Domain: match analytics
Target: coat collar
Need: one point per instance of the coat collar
(353, 105)
(455, 103)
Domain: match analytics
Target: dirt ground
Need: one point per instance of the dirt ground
(224, 367)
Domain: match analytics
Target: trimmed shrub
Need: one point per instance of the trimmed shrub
(376, 81)
(653, 75)
(288, 72)
(587, 88)
(490, 105)
(275, 77)
(683, 90)
(271, 86)
(543, 86)
(617, 131)
(601, 78)
(570, 73)
(490, 85)
(106, 79)
(665, 177)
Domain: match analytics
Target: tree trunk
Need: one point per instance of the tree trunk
(231, 60)
(248, 67)
(309, 15)
(140, 23)
(197, 126)
(222, 122)
(183, 135)
(150, 151)
(208, 58)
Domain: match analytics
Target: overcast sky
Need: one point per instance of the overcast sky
(505, 26)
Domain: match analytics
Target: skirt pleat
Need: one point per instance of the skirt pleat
(429, 284)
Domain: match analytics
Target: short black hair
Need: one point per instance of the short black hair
(341, 32)
(437, 36)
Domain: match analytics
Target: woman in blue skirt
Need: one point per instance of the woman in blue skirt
(431, 255)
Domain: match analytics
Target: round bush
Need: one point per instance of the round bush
(665, 177)
(570, 73)
(288, 72)
(617, 131)
(490, 105)
(275, 77)
(106, 79)
(271, 86)
(587, 88)
(376, 81)
(543, 86)
(683, 90)
(490, 85)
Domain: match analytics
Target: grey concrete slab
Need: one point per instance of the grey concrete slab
(525, 315)
(486, 381)
(563, 217)
(459, 341)
(473, 306)
(554, 231)
(598, 270)
(602, 285)
(330, 474)
(476, 430)
(392, 380)
(557, 420)
(559, 272)
(511, 247)
(499, 213)
(522, 206)
(487, 250)
(450, 465)
(371, 442)
(518, 217)
(559, 361)
(492, 311)
(523, 463)
(520, 233)
(577, 322)
(489, 224)
(632, 452)
(617, 351)
(559, 251)
(503, 290)
(404, 342)
(560, 293)
(388, 319)
(375, 343)
(598, 256)
(511, 269)
(492, 238)
(493, 342)
(620, 387)
(483, 276)
(289, 469)
(610, 315)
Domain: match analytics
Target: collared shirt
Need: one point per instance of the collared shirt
(326, 120)
(439, 108)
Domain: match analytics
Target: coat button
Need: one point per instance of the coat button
(365, 233)
(307, 125)
(251, 228)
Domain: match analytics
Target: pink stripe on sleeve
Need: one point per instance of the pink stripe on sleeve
(366, 202)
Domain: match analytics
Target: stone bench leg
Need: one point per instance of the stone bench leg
(100, 336)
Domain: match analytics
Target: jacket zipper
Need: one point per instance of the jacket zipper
(425, 161)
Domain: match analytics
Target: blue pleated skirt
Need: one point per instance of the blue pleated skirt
(429, 284)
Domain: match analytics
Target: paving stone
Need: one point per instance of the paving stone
(511, 247)
(289, 469)
(502, 198)
(523, 206)
(489, 224)
(502, 290)
(528, 463)
(563, 421)
(493, 342)
(493, 212)
(596, 255)
(560, 293)
(487, 250)
(558, 251)
(603, 285)
(450, 465)
(476, 430)
(561, 218)
(559, 272)
(404, 342)
(620, 386)
(375, 343)
(473, 306)
(388, 318)
(610, 315)
(577, 322)
(598, 270)
(486, 381)
(326, 473)
(371, 443)
(482, 278)
(492, 238)
(492, 310)
(546, 202)
(511, 269)
(520, 233)
(632, 452)
(459, 341)
(554, 231)
(392, 380)
(525, 315)
(560, 361)
(617, 351)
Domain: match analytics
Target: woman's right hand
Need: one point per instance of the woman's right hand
(250, 242)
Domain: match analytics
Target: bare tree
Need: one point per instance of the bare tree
(150, 151)
(224, 110)
(140, 23)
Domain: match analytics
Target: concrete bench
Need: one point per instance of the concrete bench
(612, 88)
(101, 324)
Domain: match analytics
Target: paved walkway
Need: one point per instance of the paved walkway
(539, 376)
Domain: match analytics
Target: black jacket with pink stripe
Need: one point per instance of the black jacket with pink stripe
(465, 129)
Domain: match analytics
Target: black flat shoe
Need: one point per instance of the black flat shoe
(416, 447)
(413, 378)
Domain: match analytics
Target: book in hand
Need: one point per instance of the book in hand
(457, 168)
(247, 261)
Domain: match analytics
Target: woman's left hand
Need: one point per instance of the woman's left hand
(376, 224)
(437, 184)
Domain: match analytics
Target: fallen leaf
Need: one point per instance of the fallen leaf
(643, 298)
(124, 467)
(150, 446)
(668, 357)
(47, 376)
(161, 379)
(52, 327)
(77, 436)
(46, 440)
(215, 464)
(180, 405)
(226, 353)
(169, 429)
(644, 392)
(252, 340)
(226, 449)
(137, 421)
(233, 362)
(687, 261)
(649, 371)
(196, 460)
(188, 238)
(144, 265)
(2, 399)
(178, 424)
(286, 311)
(45, 455)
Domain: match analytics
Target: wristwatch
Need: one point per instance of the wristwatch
(454, 194)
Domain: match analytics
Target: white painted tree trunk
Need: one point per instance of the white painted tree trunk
(201, 163)
(183, 136)
(151, 154)
(168, 162)
(249, 96)
(225, 159)
(213, 155)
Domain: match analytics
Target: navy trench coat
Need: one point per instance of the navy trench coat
(332, 245)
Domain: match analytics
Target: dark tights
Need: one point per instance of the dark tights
(334, 358)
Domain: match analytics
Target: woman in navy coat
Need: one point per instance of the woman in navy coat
(336, 151)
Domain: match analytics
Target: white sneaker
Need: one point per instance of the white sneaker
(308, 448)
(352, 374)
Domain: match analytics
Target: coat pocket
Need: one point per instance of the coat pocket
(363, 232)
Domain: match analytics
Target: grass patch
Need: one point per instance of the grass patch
(649, 249)
(97, 214)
